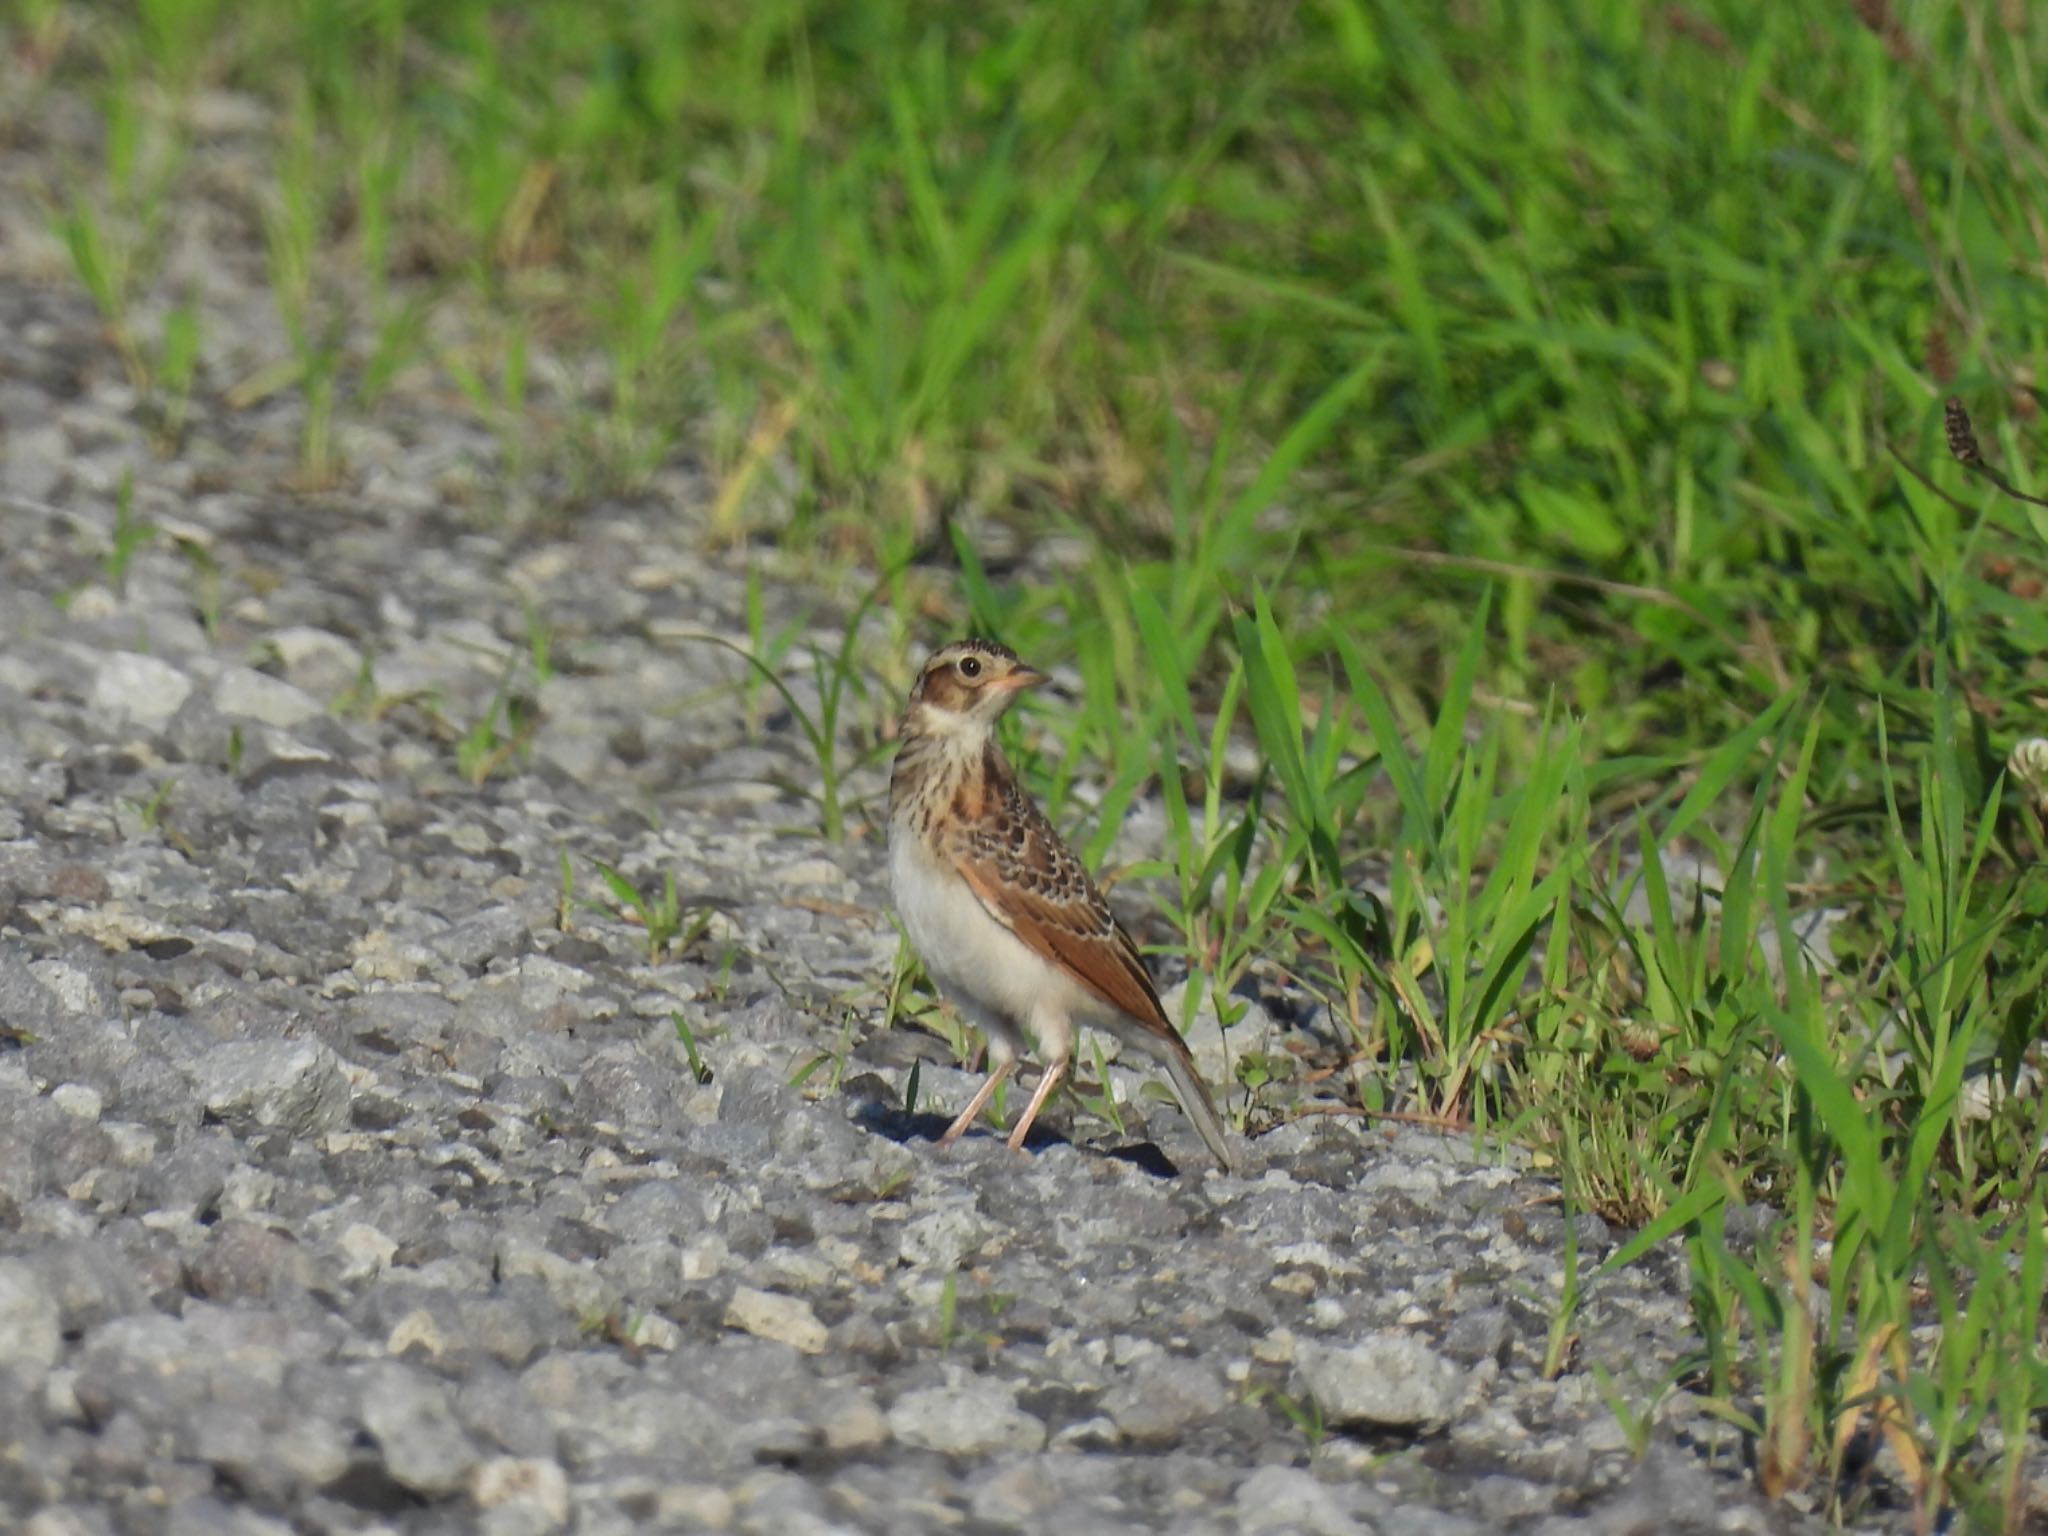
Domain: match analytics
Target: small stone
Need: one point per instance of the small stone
(1504, 1502)
(1288, 1499)
(849, 1420)
(650, 1330)
(1014, 1495)
(91, 1282)
(368, 1252)
(408, 1415)
(144, 689)
(79, 885)
(246, 694)
(812, 872)
(693, 1507)
(29, 1340)
(290, 1085)
(60, 1399)
(706, 1258)
(188, 1180)
(205, 1515)
(267, 1450)
(77, 1100)
(1155, 1403)
(1388, 1380)
(66, 1521)
(972, 1417)
(943, 1238)
(1484, 1333)
(770, 1315)
(417, 1330)
(76, 991)
(246, 1261)
(270, 753)
(576, 1287)
(623, 1086)
(246, 1189)
(315, 659)
(498, 933)
(536, 1487)
(1276, 1347)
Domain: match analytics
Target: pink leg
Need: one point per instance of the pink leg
(1054, 1072)
(978, 1103)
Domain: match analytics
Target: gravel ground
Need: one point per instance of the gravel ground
(345, 1187)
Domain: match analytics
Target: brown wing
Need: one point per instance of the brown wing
(1031, 883)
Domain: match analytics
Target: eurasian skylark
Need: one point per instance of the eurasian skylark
(997, 905)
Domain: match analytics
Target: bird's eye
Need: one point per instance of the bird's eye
(970, 666)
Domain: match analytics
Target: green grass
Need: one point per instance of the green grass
(1523, 420)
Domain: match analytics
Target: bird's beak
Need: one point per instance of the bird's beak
(1022, 678)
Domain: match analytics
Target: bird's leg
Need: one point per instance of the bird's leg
(1055, 1071)
(978, 1103)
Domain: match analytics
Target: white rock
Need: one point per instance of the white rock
(294, 1085)
(540, 1487)
(941, 1239)
(144, 689)
(28, 1323)
(246, 1189)
(1387, 1380)
(60, 1399)
(315, 659)
(852, 1422)
(812, 872)
(72, 988)
(135, 1146)
(425, 1448)
(368, 1251)
(972, 1417)
(693, 1507)
(706, 1257)
(114, 925)
(576, 1287)
(1276, 1347)
(1289, 1499)
(650, 1330)
(785, 1319)
(59, 1522)
(78, 1100)
(243, 693)
(417, 1330)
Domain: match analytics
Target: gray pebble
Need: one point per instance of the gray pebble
(1161, 1398)
(1387, 1380)
(29, 1339)
(295, 1086)
(189, 1179)
(144, 690)
(246, 694)
(424, 1446)
(1287, 1499)
(969, 1417)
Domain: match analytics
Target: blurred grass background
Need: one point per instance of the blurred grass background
(1525, 417)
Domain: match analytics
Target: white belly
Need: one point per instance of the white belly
(974, 958)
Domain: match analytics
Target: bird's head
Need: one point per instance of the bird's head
(966, 686)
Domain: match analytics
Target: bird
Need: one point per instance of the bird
(1002, 912)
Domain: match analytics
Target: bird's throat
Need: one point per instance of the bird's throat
(953, 770)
